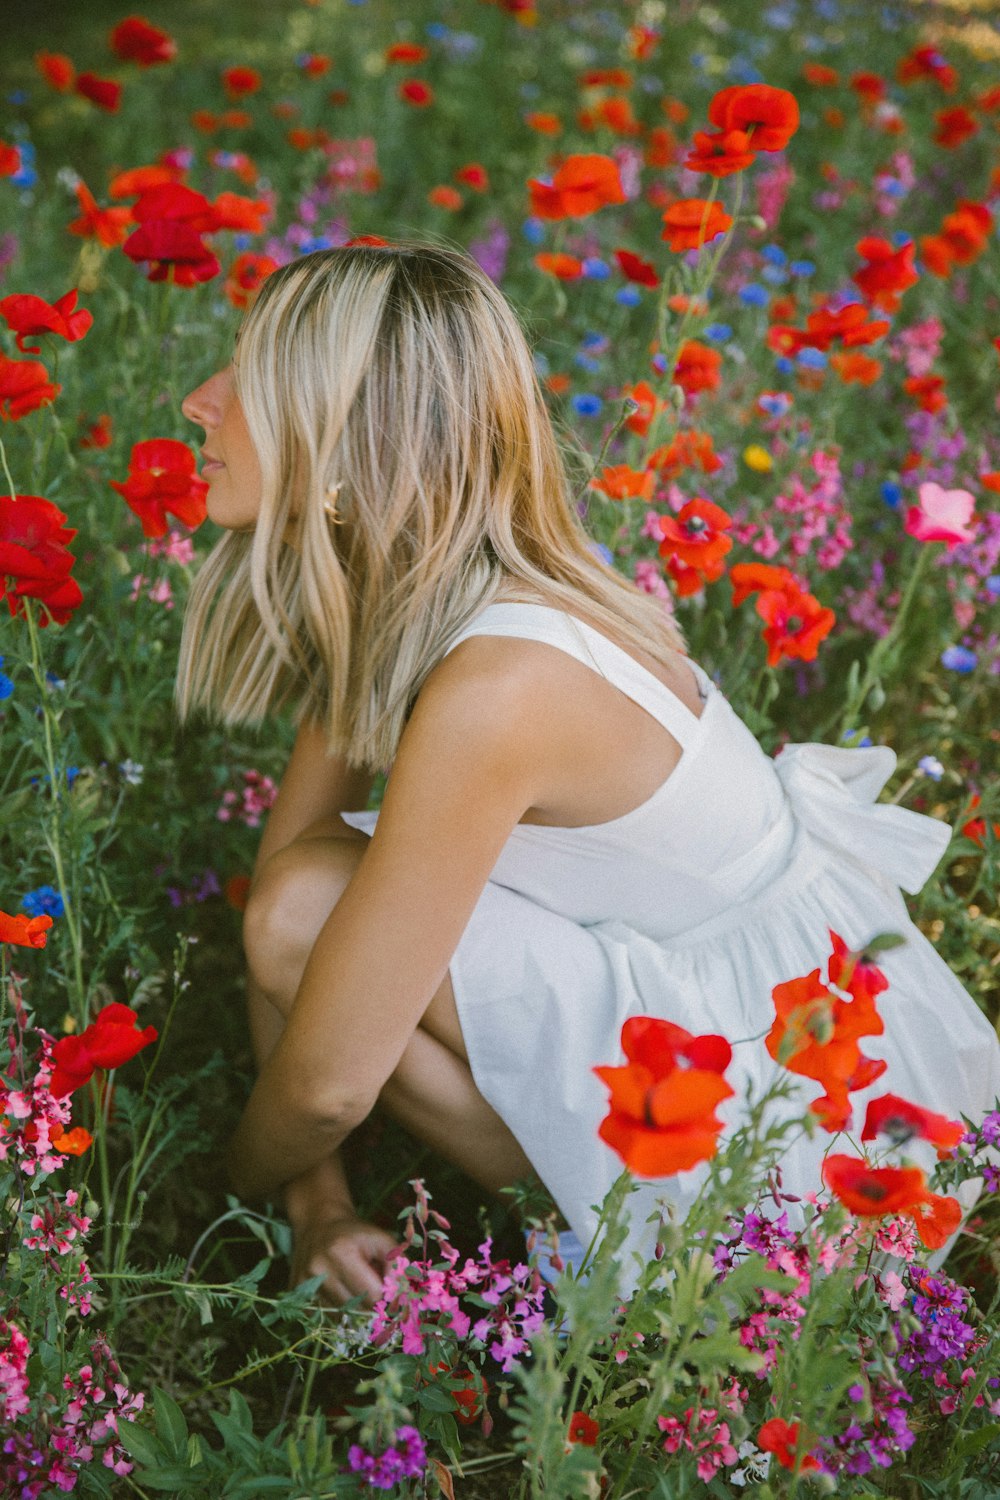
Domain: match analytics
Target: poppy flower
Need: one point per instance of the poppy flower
(108, 1042)
(10, 160)
(244, 215)
(661, 1116)
(795, 622)
(769, 116)
(688, 580)
(869, 87)
(109, 226)
(697, 368)
(927, 390)
(161, 482)
(941, 516)
(475, 176)
(900, 1120)
(416, 92)
(544, 124)
(927, 62)
(820, 76)
(643, 42)
(662, 148)
(579, 187)
(616, 113)
(28, 316)
(175, 202)
(57, 70)
(686, 450)
(692, 222)
(648, 403)
(103, 92)
(623, 483)
(136, 40)
(953, 126)
(853, 971)
(583, 1429)
(172, 250)
(24, 387)
(445, 196)
(34, 562)
(239, 82)
(246, 275)
(405, 52)
(975, 828)
(610, 78)
(720, 154)
(889, 271)
(749, 578)
(558, 263)
(696, 534)
(872, 1192)
(936, 255)
(136, 180)
(967, 230)
(314, 64)
(25, 932)
(782, 1439)
(856, 369)
(849, 324)
(637, 270)
(73, 1142)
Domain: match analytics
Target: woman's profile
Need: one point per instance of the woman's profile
(576, 826)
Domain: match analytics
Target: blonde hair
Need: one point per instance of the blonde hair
(398, 423)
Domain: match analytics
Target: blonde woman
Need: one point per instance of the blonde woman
(576, 826)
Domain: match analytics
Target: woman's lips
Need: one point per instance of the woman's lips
(211, 466)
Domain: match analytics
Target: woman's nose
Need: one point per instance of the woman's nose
(203, 405)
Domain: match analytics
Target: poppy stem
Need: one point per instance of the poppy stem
(6, 469)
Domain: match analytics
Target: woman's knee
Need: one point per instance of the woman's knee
(291, 898)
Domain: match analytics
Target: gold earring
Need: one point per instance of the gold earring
(330, 503)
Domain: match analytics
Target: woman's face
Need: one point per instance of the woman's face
(230, 460)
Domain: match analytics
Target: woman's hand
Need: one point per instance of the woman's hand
(351, 1254)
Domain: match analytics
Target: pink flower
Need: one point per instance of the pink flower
(941, 516)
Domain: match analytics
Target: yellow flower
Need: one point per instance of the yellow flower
(757, 458)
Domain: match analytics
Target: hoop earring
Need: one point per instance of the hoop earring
(330, 503)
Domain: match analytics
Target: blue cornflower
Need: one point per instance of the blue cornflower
(43, 902)
(774, 255)
(628, 296)
(900, 238)
(595, 343)
(6, 686)
(587, 362)
(892, 493)
(774, 275)
(931, 766)
(958, 659)
(718, 333)
(812, 359)
(863, 742)
(784, 365)
(993, 584)
(586, 404)
(533, 231)
(802, 268)
(753, 295)
(596, 269)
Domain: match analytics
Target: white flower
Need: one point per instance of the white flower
(931, 766)
(131, 772)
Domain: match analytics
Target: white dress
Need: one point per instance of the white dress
(692, 907)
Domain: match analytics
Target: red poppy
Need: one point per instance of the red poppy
(544, 124)
(796, 623)
(662, 148)
(136, 40)
(245, 215)
(28, 316)
(97, 434)
(25, 932)
(856, 369)
(314, 64)
(557, 263)
(237, 892)
(246, 275)
(853, 971)
(900, 1120)
(661, 1116)
(869, 87)
(611, 78)
(697, 368)
(975, 828)
(103, 92)
(445, 196)
(769, 116)
(405, 52)
(820, 76)
(953, 126)
(136, 180)
(10, 160)
(416, 92)
(617, 114)
(692, 222)
(57, 69)
(108, 1042)
(642, 42)
(686, 450)
(109, 226)
(637, 270)
(579, 187)
(475, 176)
(872, 1192)
(782, 1439)
(583, 1429)
(161, 482)
(696, 534)
(34, 562)
(171, 220)
(967, 231)
(936, 254)
(687, 580)
(749, 578)
(927, 62)
(73, 1142)
(927, 390)
(620, 482)
(648, 403)
(721, 154)
(888, 273)
(239, 82)
(24, 387)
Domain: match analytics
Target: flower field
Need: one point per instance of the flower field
(755, 251)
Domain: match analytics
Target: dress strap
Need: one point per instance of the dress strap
(556, 627)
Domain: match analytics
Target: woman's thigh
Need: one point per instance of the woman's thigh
(295, 892)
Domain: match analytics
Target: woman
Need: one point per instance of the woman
(568, 836)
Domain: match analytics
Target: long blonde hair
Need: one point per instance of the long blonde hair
(400, 430)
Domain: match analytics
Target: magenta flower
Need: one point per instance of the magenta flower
(941, 516)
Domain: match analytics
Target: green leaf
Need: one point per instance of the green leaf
(171, 1427)
(140, 1444)
(974, 1442)
(883, 941)
(432, 1398)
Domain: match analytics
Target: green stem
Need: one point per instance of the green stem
(885, 649)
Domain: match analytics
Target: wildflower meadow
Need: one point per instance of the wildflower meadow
(755, 251)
